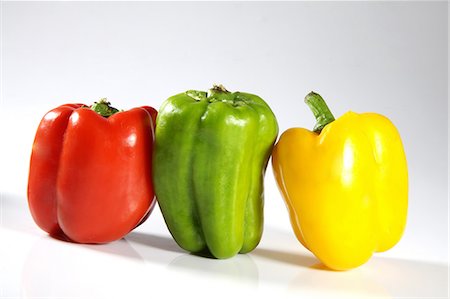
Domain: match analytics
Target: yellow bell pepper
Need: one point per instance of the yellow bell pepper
(345, 184)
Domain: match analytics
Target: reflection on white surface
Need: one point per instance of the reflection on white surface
(408, 278)
(148, 261)
(348, 284)
(58, 269)
(240, 269)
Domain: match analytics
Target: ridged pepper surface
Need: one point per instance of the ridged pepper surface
(345, 184)
(210, 157)
(90, 171)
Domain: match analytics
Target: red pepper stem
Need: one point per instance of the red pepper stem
(104, 108)
(320, 110)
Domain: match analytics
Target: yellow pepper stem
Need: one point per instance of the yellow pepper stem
(320, 110)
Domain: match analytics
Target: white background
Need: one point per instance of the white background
(390, 58)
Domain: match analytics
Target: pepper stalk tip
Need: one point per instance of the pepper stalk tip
(320, 110)
(104, 108)
(219, 87)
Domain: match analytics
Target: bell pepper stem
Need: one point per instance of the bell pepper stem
(320, 110)
(104, 108)
(218, 91)
(219, 87)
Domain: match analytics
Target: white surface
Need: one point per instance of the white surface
(149, 262)
(385, 57)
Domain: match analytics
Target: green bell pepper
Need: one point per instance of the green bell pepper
(211, 153)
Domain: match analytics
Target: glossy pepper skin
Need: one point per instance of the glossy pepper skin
(90, 175)
(210, 156)
(345, 185)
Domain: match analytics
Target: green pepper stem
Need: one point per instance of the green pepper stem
(320, 110)
(218, 91)
(104, 108)
(219, 87)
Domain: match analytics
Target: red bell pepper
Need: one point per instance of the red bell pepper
(90, 172)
